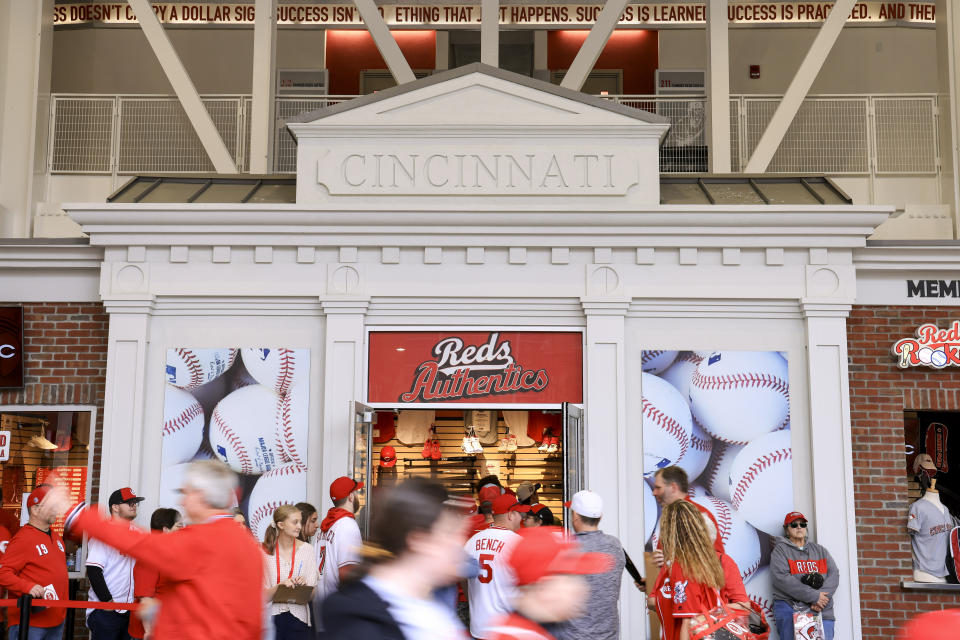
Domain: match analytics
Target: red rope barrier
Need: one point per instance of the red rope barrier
(76, 604)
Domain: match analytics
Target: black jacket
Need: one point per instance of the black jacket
(356, 612)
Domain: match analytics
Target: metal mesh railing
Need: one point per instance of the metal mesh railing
(834, 135)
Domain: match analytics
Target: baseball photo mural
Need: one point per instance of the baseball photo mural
(248, 407)
(724, 417)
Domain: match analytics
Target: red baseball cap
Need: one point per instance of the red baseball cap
(933, 625)
(388, 456)
(342, 486)
(489, 492)
(506, 503)
(545, 551)
(38, 494)
(793, 515)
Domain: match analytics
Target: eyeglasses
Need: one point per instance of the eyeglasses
(795, 524)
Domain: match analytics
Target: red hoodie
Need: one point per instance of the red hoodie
(332, 516)
(213, 575)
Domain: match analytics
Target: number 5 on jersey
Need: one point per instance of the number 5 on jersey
(486, 569)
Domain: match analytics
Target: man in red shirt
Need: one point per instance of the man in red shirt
(35, 563)
(671, 484)
(213, 569)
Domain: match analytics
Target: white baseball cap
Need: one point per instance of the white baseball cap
(587, 503)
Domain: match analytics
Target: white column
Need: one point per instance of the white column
(834, 518)
(718, 86)
(799, 86)
(264, 81)
(183, 86)
(948, 84)
(609, 470)
(123, 405)
(443, 50)
(26, 43)
(490, 32)
(343, 366)
(540, 51)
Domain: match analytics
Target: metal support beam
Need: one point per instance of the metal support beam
(582, 65)
(264, 80)
(182, 85)
(718, 86)
(799, 86)
(490, 32)
(386, 43)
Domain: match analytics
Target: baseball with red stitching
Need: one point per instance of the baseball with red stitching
(182, 426)
(292, 424)
(681, 372)
(190, 368)
(740, 395)
(278, 369)
(667, 424)
(650, 508)
(695, 460)
(656, 361)
(287, 484)
(740, 539)
(761, 481)
(716, 475)
(243, 430)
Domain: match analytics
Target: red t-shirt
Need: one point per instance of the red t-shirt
(680, 597)
(35, 557)
(516, 627)
(733, 589)
(212, 572)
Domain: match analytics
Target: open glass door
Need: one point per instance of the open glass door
(362, 446)
(573, 454)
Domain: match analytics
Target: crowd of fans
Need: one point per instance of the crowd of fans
(433, 567)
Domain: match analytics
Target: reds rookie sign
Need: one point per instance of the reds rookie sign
(932, 347)
(508, 367)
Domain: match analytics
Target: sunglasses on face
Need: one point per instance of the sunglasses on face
(794, 525)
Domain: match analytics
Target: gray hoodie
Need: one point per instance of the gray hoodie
(788, 563)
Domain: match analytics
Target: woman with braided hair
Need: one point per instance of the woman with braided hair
(692, 577)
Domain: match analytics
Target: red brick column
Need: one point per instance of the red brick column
(879, 394)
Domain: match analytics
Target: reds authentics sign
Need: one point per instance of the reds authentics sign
(11, 347)
(518, 367)
(933, 347)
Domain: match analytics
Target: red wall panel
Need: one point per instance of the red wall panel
(350, 52)
(634, 51)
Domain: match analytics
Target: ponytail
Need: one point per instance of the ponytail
(281, 513)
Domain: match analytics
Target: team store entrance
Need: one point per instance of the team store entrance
(460, 406)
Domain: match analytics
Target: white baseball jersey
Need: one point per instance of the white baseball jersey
(491, 592)
(338, 546)
(117, 571)
(930, 541)
(517, 426)
(413, 426)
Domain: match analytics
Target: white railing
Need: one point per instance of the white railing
(871, 135)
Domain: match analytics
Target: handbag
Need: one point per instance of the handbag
(724, 623)
(808, 625)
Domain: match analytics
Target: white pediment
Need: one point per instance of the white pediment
(478, 131)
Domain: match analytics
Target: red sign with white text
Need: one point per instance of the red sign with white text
(482, 367)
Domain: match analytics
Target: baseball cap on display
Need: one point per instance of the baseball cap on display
(587, 503)
(388, 456)
(124, 496)
(923, 461)
(544, 551)
(527, 489)
(342, 486)
(506, 503)
(38, 494)
(489, 492)
(793, 515)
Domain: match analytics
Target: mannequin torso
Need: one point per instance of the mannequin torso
(929, 524)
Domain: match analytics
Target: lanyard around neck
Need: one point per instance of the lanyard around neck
(293, 560)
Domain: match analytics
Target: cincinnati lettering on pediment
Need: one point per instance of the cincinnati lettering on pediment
(462, 172)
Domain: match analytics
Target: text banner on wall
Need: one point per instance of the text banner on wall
(488, 367)
(541, 15)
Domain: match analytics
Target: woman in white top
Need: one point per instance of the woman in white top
(290, 562)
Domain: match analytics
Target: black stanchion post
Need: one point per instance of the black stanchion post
(23, 633)
(71, 612)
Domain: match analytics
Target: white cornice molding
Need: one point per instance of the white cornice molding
(907, 258)
(569, 225)
(50, 256)
(719, 308)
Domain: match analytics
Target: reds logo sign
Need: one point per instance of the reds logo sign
(933, 347)
(475, 367)
(449, 376)
(11, 347)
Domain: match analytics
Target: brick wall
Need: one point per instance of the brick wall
(880, 392)
(66, 363)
